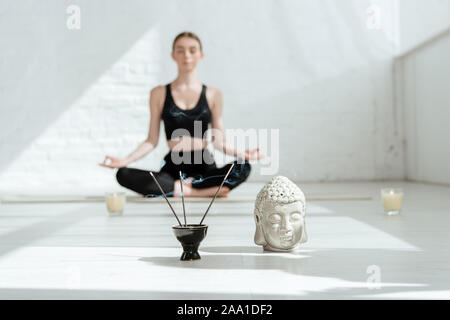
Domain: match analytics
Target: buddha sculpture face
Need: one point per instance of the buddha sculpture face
(280, 215)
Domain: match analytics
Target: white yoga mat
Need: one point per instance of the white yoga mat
(79, 198)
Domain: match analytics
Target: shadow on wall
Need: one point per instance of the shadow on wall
(49, 66)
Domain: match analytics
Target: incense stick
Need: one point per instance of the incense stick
(229, 170)
(182, 199)
(162, 191)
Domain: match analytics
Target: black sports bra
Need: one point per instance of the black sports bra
(191, 122)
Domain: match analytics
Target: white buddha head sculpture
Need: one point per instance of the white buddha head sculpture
(280, 215)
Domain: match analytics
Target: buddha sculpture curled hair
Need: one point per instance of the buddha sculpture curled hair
(280, 215)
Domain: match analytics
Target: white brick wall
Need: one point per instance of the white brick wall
(110, 117)
(311, 69)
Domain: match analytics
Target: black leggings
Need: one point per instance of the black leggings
(198, 164)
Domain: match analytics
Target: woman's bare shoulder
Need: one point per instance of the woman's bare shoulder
(214, 96)
(159, 90)
(213, 90)
(158, 94)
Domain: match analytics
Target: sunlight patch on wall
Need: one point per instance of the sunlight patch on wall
(110, 117)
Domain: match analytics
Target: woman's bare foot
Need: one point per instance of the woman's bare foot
(189, 191)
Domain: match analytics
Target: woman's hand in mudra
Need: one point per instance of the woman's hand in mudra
(253, 154)
(112, 162)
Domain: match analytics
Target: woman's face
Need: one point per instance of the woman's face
(187, 53)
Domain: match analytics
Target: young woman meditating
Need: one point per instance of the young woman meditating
(187, 107)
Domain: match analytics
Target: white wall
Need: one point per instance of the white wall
(425, 75)
(420, 20)
(310, 68)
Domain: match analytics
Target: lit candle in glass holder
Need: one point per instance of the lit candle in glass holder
(115, 202)
(392, 199)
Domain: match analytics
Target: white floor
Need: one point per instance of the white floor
(74, 250)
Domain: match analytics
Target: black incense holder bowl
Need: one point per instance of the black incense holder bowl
(190, 237)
